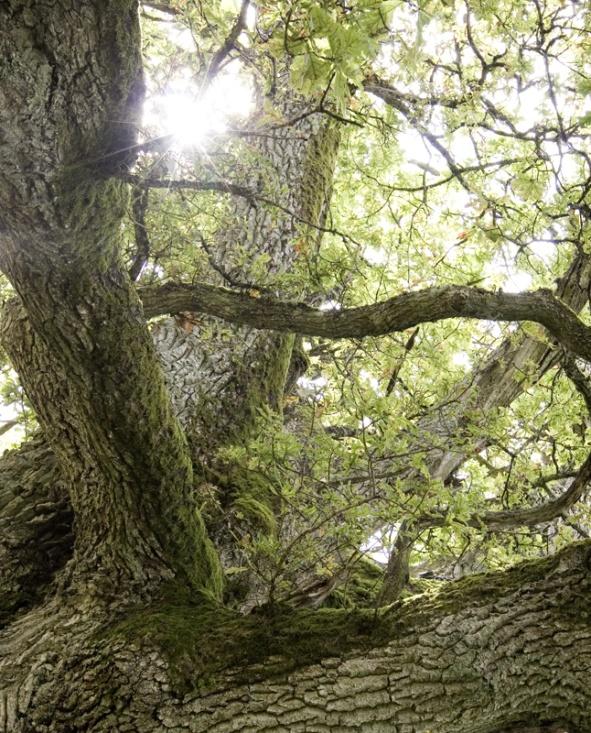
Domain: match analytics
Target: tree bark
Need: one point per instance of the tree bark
(36, 514)
(396, 314)
(502, 651)
(35, 525)
(495, 652)
(221, 375)
(80, 342)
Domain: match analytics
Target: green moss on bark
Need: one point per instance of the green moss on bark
(206, 644)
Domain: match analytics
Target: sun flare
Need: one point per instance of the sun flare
(191, 115)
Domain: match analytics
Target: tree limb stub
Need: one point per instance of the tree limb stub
(395, 314)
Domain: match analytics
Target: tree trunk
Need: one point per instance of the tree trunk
(221, 375)
(80, 343)
(495, 652)
(127, 641)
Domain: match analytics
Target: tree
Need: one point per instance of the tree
(357, 315)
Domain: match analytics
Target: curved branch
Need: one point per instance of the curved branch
(546, 512)
(579, 380)
(530, 516)
(395, 314)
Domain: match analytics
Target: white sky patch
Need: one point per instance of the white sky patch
(251, 17)
(375, 255)
(461, 359)
(457, 199)
(330, 305)
(377, 545)
(517, 282)
(492, 327)
(438, 43)
(503, 264)
(531, 103)
(564, 164)
(417, 152)
(11, 438)
(15, 435)
(546, 251)
(462, 148)
(154, 268)
(370, 379)
(180, 36)
(312, 389)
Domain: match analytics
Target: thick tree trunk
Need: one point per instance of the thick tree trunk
(221, 375)
(36, 514)
(80, 343)
(488, 654)
(495, 652)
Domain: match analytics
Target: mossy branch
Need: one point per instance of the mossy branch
(395, 314)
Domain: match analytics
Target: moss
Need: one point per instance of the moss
(265, 381)
(361, 588)
(206, 644)
(318, 172)
(256, 511)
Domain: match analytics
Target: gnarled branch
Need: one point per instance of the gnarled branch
(395, 314)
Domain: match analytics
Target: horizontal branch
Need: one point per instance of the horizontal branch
(530, 516)
(178, 184)
(395, 314)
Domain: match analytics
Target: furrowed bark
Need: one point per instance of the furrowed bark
(494, 652)
(396, 314)
(80, 343)
(221, 375)
(35, 524)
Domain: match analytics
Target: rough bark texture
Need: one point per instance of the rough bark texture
(125, 643)
(35, 524)
(396, 314)
(489, 653)
(221, 375)
(80, 342)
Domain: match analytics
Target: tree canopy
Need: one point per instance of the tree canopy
(296, 316)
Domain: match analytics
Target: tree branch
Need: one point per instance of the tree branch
(8, 425)
(395, 314)
(523, 517)
(142, 240)
(579, 380)
(230, 42)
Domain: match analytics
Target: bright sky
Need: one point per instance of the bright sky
(187, 111)
(192, 115)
